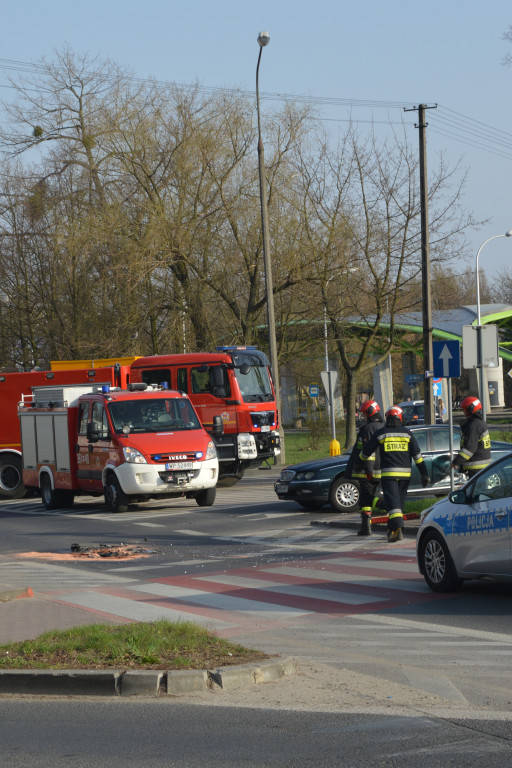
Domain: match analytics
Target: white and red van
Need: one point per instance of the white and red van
(130, 445)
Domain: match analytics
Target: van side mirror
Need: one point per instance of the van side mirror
(218, 426)
(92, 433)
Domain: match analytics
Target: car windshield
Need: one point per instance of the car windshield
(153, 415)
(254, 383)
(412, 411)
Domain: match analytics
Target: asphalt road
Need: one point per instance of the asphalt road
(375, 646)
(97, 733)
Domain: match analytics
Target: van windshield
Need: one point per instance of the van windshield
(254, 385)
(153, 415)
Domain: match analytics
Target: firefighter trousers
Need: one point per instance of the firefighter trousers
(394, 491)
(367, 489)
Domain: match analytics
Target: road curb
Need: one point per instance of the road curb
(140, 682)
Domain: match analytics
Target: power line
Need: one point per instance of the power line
(447, 122)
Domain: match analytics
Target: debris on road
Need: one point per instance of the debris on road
(100, 551)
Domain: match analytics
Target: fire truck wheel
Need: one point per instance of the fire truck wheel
(11, 485)
(51, 498)
(207, 497)
(115, 498)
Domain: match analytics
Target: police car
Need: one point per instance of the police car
(468, 534)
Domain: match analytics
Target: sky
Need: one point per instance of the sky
(390, 55)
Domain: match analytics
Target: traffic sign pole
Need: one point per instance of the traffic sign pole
(450, 432)
(446, 356)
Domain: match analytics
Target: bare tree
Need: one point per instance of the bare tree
(362, 204)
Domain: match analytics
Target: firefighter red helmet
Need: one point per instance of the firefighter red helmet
(395, 411)
(369, 408)
(471, 405)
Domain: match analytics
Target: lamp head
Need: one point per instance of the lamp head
(509, 233)
(264, 39)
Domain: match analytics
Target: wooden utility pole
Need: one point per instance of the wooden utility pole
(426, 296)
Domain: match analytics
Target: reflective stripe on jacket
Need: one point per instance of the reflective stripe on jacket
(475, 444)
(396, 446)
(356, 467)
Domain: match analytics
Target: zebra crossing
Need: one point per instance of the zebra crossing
(270, 594)
(356, 594)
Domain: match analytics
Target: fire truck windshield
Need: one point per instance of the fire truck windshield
(254, 383)
(158, 415)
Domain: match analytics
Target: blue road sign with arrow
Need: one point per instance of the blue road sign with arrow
(446, 356)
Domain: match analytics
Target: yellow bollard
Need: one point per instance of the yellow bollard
(334, 448)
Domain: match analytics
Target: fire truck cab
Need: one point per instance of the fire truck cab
(130, 445)
(233, 382)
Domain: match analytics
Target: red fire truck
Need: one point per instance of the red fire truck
(232, 382)
(13, 386)
(130, 445)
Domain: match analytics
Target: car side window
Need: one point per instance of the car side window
(494, 483)
(441, 438)
(421, 438)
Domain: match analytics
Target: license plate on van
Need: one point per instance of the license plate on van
(178, 465)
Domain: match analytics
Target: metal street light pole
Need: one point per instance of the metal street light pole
(479, 351)
(330, 393)
(263, 40)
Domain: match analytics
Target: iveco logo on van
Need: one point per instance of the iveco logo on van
(178, 457)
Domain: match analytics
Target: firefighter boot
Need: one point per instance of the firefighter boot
(366, 525)
(395, 535)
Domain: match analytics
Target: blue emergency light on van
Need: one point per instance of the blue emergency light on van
(105, 389)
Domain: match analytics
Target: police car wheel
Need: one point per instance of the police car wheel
(436, 564)
(344, 495)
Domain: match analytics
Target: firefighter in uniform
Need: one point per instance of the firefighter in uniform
(475, 444)
(368, 476)
(396, 446)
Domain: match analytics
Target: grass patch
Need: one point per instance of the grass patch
(501, 433)
(418, 505)
(145, 645)
(314, 444)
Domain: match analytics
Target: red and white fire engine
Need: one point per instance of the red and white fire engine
(130, 445)
(234, 383)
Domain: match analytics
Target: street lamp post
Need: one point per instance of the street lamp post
(263, 40)
(330, 393)
(479, 350)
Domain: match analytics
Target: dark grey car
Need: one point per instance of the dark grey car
(312, 484)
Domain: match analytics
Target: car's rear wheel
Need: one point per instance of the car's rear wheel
(344, 495)
(436, 564)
